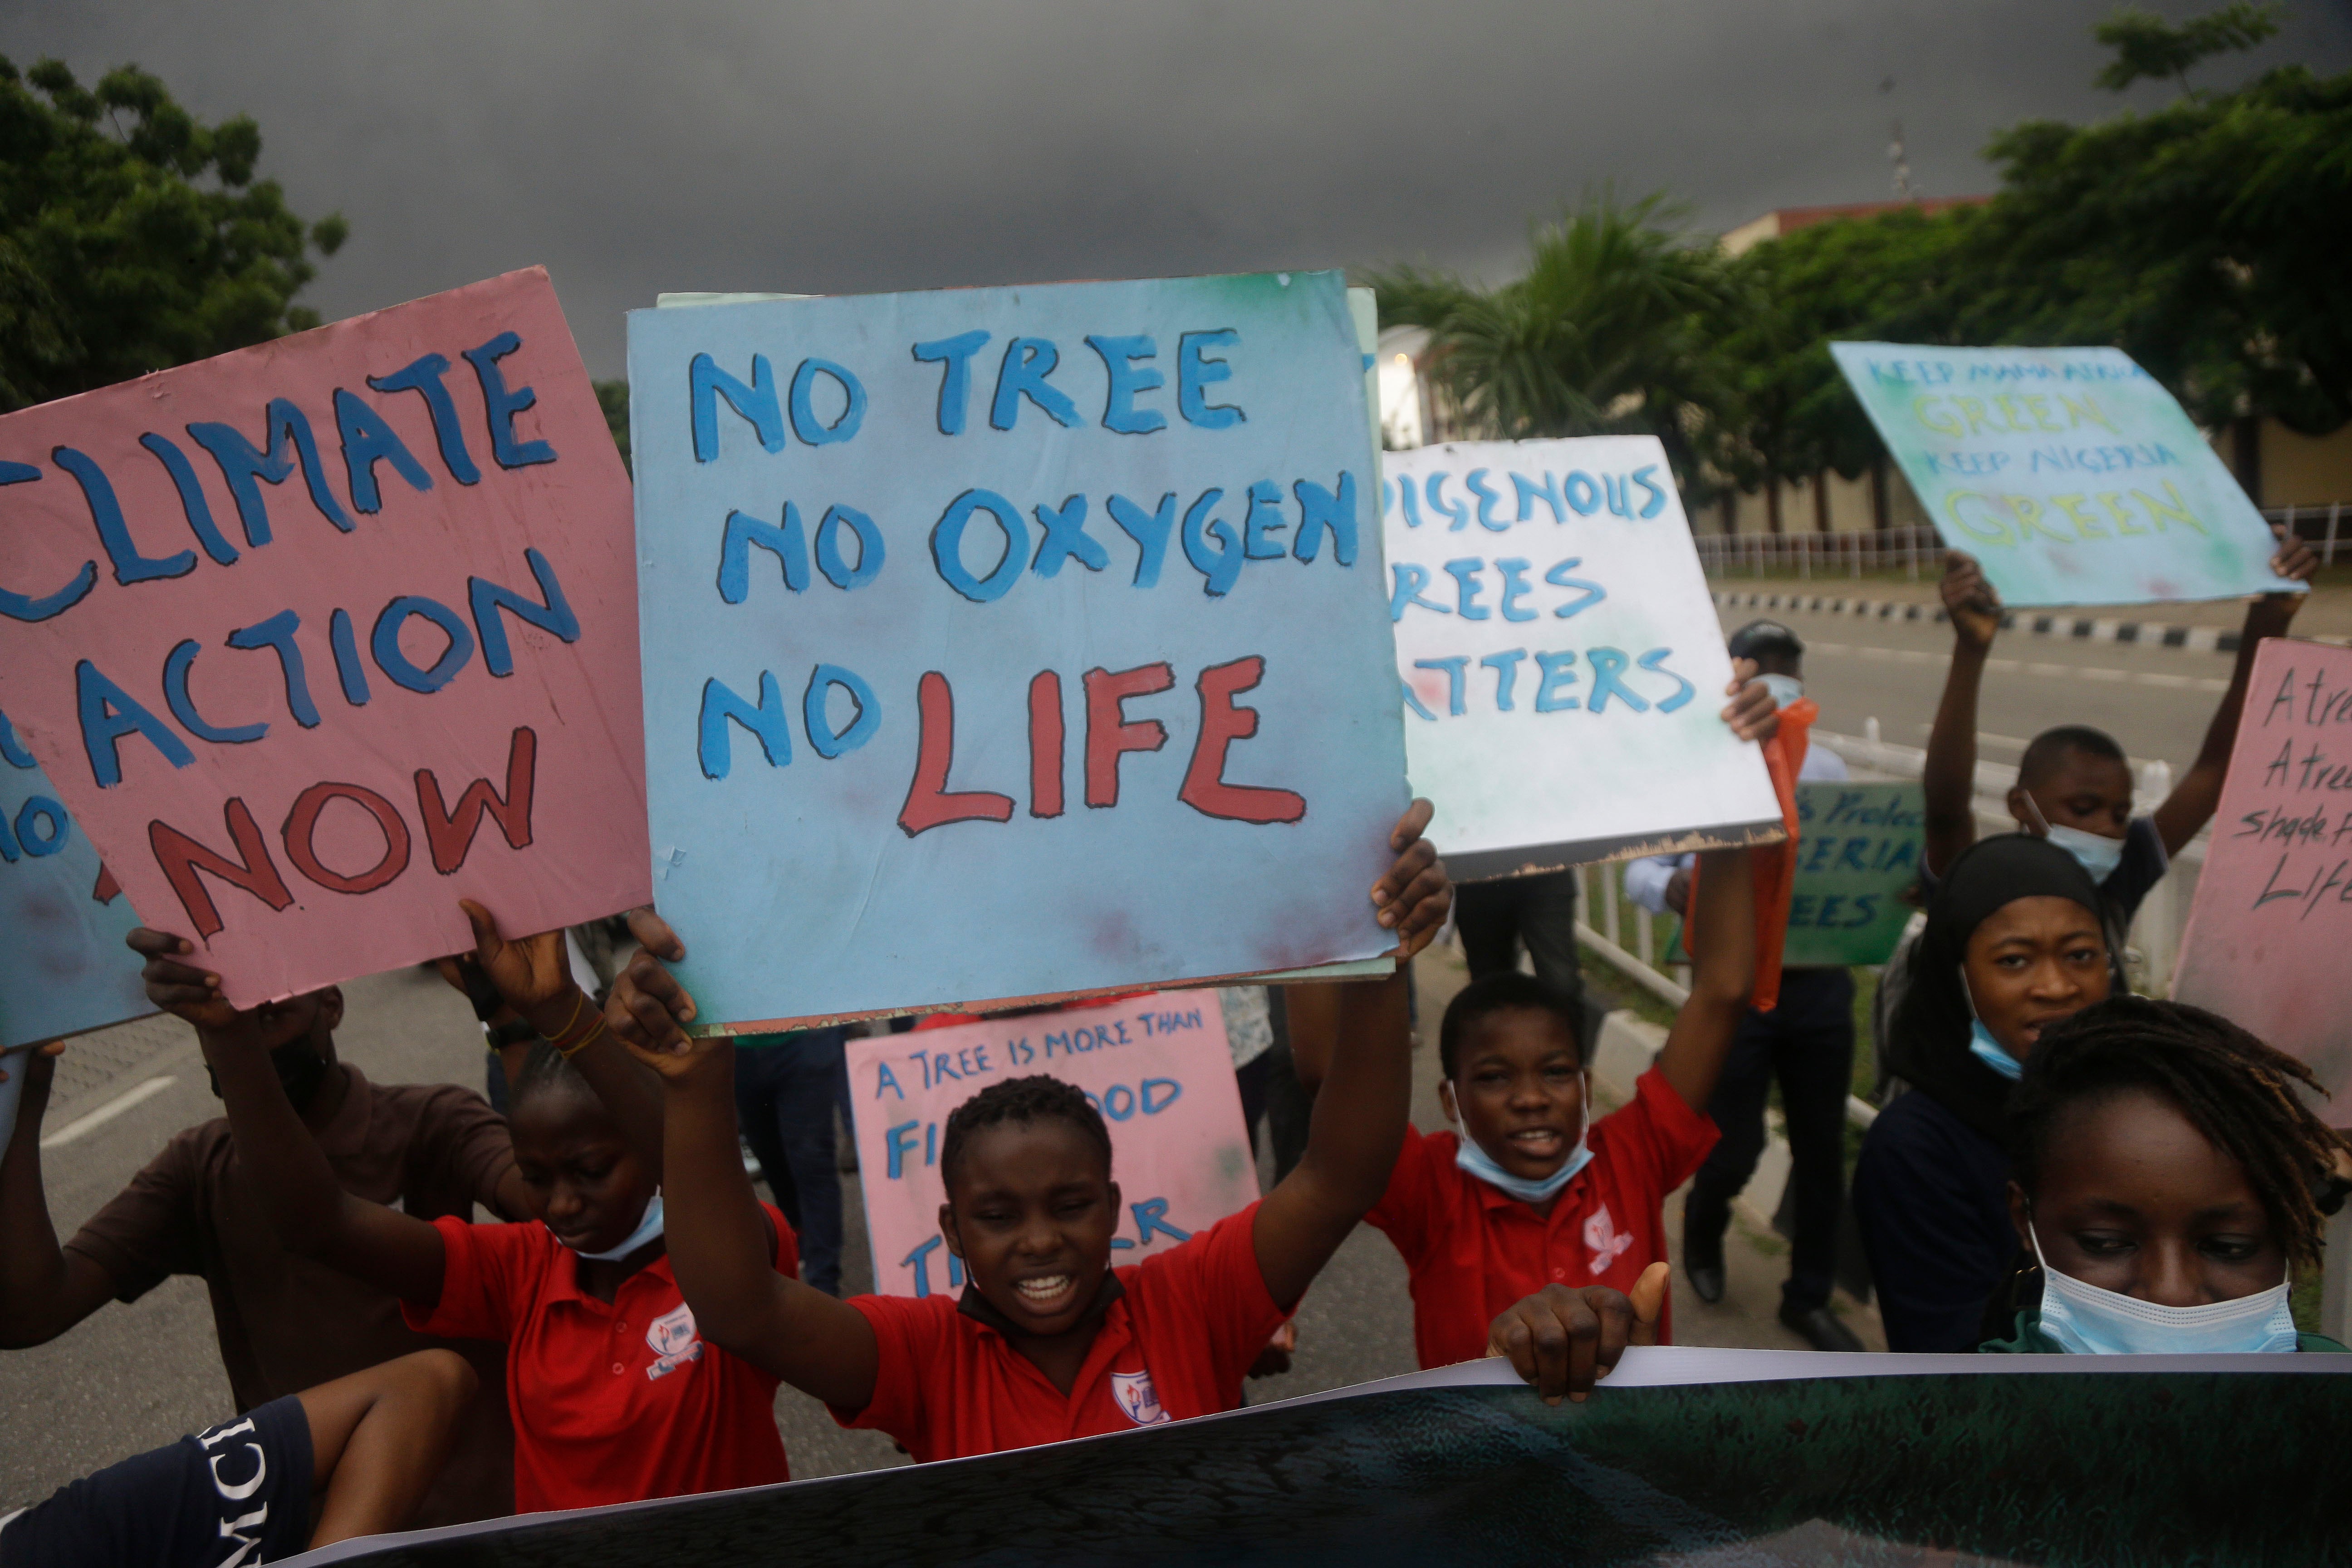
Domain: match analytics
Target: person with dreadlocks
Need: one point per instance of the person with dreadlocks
(1047, 1340)
(2165, 1174)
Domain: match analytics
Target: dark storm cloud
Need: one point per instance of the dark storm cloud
(885, 144)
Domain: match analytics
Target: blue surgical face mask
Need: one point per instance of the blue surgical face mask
(1785, 689)
(1475, 1161)
(648, 1227)
(2094, 852)
(1983, 1046)
(1988, 1050)
(2088, 1320)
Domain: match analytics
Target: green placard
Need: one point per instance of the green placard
(1858, 847)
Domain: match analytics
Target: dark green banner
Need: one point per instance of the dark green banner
(1858, 848)
(2066, 1463)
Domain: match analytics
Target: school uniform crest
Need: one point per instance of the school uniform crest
(1607, 1242)
(673, 1341)
(1137, 1397)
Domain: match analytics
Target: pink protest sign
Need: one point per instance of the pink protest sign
(317, 638)
(1158, 1068)
(2273, 913)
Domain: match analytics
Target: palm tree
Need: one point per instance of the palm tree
(1604, 335)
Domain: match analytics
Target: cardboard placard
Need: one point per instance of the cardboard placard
(1158, 1069)
(2071, 474)
(317, 638)
(1010, 642)
(64, 968)
(1858, 848)
(1563, 667)
(2272, 912)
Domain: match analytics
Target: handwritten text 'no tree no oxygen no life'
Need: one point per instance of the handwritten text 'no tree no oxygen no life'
(983, 544)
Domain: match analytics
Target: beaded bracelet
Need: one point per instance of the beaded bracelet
(594, 1029)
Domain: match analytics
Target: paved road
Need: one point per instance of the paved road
(2155, 700)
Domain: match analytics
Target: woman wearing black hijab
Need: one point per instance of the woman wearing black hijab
(2013, 943)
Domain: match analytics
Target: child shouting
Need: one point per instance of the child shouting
(1047, 1342)
(2165, 1175)
(1533, 1192)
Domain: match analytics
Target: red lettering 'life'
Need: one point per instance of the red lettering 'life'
(1222, 723)
(1110, 734)
(929, 802)
(1046, 744)
(182, 858)
(449, 835)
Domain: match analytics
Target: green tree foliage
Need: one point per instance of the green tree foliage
(2145, 45)
(132, 237)
(2207, 240)
(613, 396)
(1605, 333)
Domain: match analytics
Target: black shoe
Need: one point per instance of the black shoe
(1820, 1328)
(1702, 1266)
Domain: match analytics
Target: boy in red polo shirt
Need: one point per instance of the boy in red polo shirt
(1532, 1193)
(615, 1398)
(1047, 1342)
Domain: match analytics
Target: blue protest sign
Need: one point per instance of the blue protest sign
(1011, 642)
(64, 968)
(2071, 474)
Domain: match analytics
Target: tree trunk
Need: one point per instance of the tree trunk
(2246, 455)
(1880, 515)
(1821, 501)
(1772, 505)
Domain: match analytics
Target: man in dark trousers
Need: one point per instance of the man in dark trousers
(1806, 1042)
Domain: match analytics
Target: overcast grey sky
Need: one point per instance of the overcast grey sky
(878, 144)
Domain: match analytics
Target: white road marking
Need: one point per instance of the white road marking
(2046, 671)
(107, 1113)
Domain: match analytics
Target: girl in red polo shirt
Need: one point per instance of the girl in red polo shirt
(1048, 1342)
(614, 1395)
(1532, 1192)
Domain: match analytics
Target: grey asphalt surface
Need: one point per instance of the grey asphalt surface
(135, 1376)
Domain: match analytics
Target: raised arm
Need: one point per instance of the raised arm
(1722, 943)
(1358, 1119)
(533, 975)
(307, 1207)
(721, 1246)
(2198, 796)
(1949, 779)
(44, 1290)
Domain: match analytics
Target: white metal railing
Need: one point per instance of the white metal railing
(1649, 930)
(1809, 555)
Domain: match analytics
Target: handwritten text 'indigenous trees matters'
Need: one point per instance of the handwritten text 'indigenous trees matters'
(424, 635)
(1539, 589)
(982, 545)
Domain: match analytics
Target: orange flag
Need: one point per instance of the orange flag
(1775, 865)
